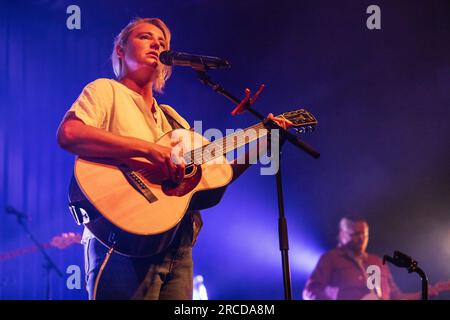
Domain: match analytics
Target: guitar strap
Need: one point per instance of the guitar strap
(172, 121)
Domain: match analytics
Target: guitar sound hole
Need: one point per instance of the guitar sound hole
(188, 184)
(189, 170)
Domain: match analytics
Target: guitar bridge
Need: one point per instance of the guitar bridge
(137, 183)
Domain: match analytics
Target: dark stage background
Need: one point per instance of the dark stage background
(382, 99)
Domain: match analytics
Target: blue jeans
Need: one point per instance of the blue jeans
(166, 276)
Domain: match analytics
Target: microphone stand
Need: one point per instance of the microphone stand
(48, 265)
(285, 135)
(424, 280)
(403, 261)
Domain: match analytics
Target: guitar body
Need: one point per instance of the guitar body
(127, 204)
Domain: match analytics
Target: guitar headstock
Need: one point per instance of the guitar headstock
(302, 119)
(65, 240)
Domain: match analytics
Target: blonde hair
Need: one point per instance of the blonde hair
(163, 72)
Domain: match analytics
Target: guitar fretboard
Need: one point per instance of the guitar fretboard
(226, 144)
(22, 251)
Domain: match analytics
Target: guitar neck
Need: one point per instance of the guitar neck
(20, 252)
(227, 144)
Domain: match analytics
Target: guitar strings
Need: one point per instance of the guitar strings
(306, 119)
(218, 144)
(237, 140)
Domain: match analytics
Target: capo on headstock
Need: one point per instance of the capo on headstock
(247, 101)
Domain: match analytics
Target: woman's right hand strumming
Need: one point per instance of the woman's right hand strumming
(171, 163)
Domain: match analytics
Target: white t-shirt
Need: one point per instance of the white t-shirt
(110, 105)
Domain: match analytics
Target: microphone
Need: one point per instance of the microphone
(18, 214)
(198, 62)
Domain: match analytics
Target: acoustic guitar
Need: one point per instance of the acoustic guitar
(128, 205)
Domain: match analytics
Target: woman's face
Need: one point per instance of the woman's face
(142, 49)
